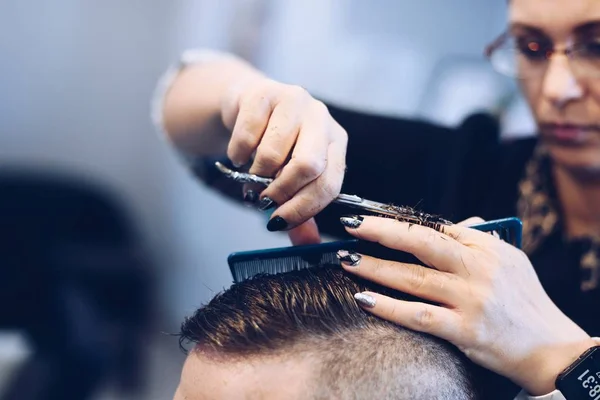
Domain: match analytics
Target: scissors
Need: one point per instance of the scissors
(508, 229)
(403, 213)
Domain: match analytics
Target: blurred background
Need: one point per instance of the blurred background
(107, 242)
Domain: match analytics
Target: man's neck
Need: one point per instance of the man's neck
(580, 202)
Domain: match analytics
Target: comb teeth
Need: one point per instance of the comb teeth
(246, 264)
(242, 270)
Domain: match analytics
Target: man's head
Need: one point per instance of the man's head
(301, 335)
(562, 90)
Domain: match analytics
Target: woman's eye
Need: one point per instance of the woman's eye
(534, 50)
(590, 49)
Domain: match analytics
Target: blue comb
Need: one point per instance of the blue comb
(247, 264)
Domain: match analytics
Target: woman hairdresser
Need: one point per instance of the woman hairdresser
(527, 323)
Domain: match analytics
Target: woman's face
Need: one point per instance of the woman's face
(565, 97)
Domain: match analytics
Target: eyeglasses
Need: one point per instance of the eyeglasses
(526, 58)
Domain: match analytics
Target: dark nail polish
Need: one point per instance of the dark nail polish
(349, 258)
(266, 203)
(276, 224)
(351, 221)
(365, 300)
(250, 197)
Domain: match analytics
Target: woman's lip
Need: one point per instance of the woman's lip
(567, 133)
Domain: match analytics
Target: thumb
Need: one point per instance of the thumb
(306, 233)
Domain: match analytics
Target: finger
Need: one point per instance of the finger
(422, 241)
(471, 221)
(433, 248)
(250, 124)
(421, 317)
(468, 234)
(308, 161)
(315, 196)
(413, 279)
(278, 139)
(306, 233)
(230, 106)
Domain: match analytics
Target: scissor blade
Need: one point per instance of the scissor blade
(367, 205)
(224, 170)
(242, 177)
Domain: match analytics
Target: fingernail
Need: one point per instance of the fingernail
(349, 258)
(365, 300)
(237, 164)
(352, 221)
(276, 224)
(266, 203)
(250, 197)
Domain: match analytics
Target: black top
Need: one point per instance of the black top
(457, 173)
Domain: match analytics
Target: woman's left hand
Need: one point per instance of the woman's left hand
(492, 305)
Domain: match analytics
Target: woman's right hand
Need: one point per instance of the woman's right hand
(287, 134)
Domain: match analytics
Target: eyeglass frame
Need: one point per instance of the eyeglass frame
(568, 52)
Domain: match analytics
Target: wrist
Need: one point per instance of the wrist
(540, 371)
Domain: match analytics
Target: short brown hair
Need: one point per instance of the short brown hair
(313, 312)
